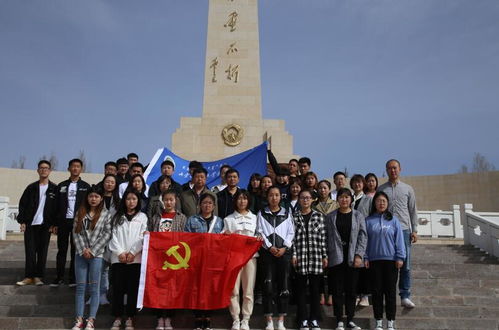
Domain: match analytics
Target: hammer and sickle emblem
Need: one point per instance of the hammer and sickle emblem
(182, 261)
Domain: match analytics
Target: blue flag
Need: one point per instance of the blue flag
(247, 162)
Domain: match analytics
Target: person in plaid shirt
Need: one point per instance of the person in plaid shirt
(309, 259)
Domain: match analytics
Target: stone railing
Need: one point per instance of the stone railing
(440, 223)
(481, 229)
(8, 215)
(434, 224)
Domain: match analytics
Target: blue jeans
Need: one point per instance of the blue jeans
(104, 279)
(88, 273)
(405, 271)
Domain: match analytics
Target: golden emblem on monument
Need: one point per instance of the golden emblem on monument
(232, 134)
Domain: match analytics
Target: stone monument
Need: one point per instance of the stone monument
(232, 116)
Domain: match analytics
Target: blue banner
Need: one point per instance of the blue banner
(247, 162)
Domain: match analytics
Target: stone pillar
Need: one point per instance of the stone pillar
(458, 227)
(4, 212)
(464, 219)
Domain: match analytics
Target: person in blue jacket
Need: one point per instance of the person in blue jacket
(384, 257)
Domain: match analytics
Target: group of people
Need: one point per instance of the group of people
(319, 246)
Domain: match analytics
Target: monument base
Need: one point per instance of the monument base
(200, 138)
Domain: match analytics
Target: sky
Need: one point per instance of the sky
(357, 82)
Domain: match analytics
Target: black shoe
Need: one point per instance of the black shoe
(72, 283)
(198, 324)
(56, 283)
(207, 324)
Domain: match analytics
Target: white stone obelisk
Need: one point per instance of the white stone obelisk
(232, 112)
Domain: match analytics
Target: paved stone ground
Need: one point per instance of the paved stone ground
(454, 287)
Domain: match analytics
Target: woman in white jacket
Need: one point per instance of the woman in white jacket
(129, 225)
(242, 222)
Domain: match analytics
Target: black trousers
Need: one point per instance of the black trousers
(308, 284)
(125, 281)
(64, 240)
(384, 274)
(363, 285)
(36, 244)
(275, 284)
(164, 313)
(343, 282)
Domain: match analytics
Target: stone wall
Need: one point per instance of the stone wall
(14, 181)
(433, 192)
(440, 192)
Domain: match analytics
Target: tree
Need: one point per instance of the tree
(463, 169)
(52, 159)
(20, 163)
(481, 164)
(84, 160)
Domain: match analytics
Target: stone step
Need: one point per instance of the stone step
(180, 322)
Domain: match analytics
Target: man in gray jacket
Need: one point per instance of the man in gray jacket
(402, 204)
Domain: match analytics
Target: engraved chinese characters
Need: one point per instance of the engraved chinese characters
(232, 70)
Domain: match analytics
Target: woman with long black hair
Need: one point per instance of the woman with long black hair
(275, 225)
(242, 222)
(204, 222)
(254, 191)
(129, 225)
(371, 184)
(384, 257)
(309, 259)
(111, 204)
(347, 239)
(138, 184)
(91, 234)
(165, 217)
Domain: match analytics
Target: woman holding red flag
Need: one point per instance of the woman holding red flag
(204, 222)
(242, 222)
(166, 218)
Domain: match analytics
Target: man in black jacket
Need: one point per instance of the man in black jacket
(167, 168)
(225, 198)
(36, 215)
(193, 165)
(70, 195)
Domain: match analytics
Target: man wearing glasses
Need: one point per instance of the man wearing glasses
(36, 215)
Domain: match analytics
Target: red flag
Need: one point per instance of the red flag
(192, 270)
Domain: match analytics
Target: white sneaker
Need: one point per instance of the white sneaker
(340, 326)
(354, 326)
(161, 324)
(270, 325)
(168, 324)
(245, 325)
(364, 301)
(314, 325)
(129, 324)
(90, 325)
(407, 303)
(103, 299)
(236, 325)
(78, 324)
(280, 325)
(304, 325)
(116, 324)
(391, 324)
(379, 325)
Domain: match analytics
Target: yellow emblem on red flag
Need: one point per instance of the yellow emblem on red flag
(182, 261)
